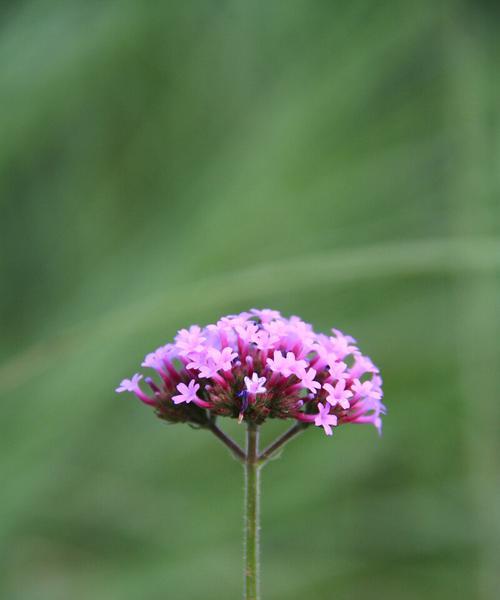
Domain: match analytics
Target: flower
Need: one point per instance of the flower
(342, 344)
(338, 394)
(287, 365)
(212, 361)
(187, 392)
(337, 368)
(362, 365)
(367, 389)
(129, 385)
(132, 385)
(255, 385)
(189, 341)
(264, 340)
(307, 380)
(277, 363)
(325, 419)
(266, 314)
(258, 365)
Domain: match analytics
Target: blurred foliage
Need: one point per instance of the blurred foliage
(166, 163)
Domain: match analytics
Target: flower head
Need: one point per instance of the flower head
(259, 365)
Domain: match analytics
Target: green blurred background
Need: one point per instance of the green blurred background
(163, 164)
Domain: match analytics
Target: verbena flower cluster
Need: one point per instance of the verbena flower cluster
(259, 365)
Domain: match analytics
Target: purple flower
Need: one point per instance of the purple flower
(187, 392)
(348, 339)
(132, 385)
(307, 380)
(342, 347)
(159, 360)
(325, 419)
(255, 385)
(266, 314)
(259, 365)
(338, 394)
(277, 363)
(286, 365)
(337, 369)
(246, 331)
(154, 361)
(189, 341)
(129, 385)
(212, 361)
(264, 340)
(362, 365)
(224, 358)
(294, 366)
(367, 389)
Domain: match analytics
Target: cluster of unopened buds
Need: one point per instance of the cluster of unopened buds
(259, 365)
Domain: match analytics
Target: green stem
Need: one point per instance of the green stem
(271, 451)
(252, 490)
(227, 441)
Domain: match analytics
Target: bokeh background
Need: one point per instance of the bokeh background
(163, 164)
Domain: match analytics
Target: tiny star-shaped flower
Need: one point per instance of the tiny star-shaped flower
(277, 362)
(264, 340)
(307, 380)
(255, 385)
(338, 394)
(342, 345)
(367, 389)
(336, 368)
(362, 365)
(187, 392)
(190, 340)
(130, 385)
(325, 419)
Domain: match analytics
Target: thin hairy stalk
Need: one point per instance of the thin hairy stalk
(227, 441)
(252, 493)
(272, 449)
